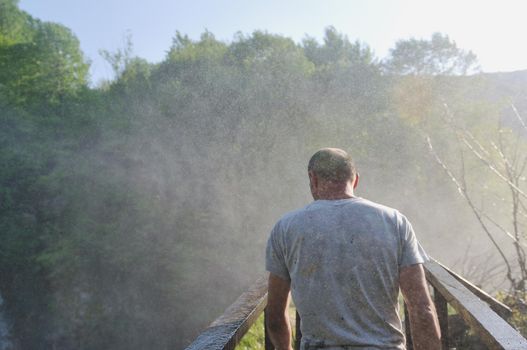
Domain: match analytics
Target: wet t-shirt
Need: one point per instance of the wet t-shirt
(343, 259)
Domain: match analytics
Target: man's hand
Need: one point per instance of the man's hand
(426, 334)
(277, 318)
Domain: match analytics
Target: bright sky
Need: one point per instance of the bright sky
(494, 30)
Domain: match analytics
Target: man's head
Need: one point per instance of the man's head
(332, 174)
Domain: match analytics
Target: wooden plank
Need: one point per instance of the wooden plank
(500, 308)
(442, 314)
(228, 329)
(493, 329)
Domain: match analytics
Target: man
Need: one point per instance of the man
(344, 259)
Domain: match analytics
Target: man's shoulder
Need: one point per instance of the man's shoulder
(364, 206)
(291, 215)
(356, 203)
(379, 207)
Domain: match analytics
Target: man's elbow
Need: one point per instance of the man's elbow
(425, 306)
(423, 313)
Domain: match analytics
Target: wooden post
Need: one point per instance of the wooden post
(407, 329)
(442, 314)
(298, 332)
(268, 343)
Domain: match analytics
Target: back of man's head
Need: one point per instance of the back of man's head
(332, 165)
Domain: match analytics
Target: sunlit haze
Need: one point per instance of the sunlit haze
(156, 157)
(494, 30)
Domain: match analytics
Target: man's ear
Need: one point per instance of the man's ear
(356, 181)
(313, 178)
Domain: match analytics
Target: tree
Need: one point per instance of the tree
(345, 71)
(437, 56)
(13, 23)
(40, 62)
(120, 59)
(337, 49)
(505, 158)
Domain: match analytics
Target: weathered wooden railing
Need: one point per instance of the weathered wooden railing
(485, 315)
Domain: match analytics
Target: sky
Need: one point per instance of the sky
(493, 30)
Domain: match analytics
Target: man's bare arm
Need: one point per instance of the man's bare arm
(426, 334)
(277, 318)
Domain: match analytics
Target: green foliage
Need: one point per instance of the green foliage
(337, 50)
(40, 62)
(13, 23)
(439, 55)
(518, 304)
(254, 338)
(119, 59)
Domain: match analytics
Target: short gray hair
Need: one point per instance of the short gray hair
(332, 164)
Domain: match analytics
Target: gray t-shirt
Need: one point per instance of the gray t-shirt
(343, 259)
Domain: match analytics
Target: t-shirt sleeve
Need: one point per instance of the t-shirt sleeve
(411, 250)
(274, 255)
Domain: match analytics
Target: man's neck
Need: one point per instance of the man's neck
(334, 198)
(336, 195)
(333, 191)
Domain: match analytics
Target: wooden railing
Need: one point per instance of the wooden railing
(485, 315)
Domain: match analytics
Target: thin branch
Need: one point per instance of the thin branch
(462, 190)
(452, 177)
(500, 152)
(516, 149)
(520, 119)
(493, 169)
(503, 229)
(456, 127)
(465, 135)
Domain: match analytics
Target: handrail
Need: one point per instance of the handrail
(228, 329)
(478, 309)
(494, 330)
(500, 308)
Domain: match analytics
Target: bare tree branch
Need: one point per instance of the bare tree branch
(462, 190)
(504, 230)
(465, 135)
(506, 161)
(520, 119)
(493, 168)
(500, 152)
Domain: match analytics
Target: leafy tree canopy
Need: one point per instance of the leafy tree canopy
(40, 62)
(337, 49)
(437, 56)
(15, 25)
